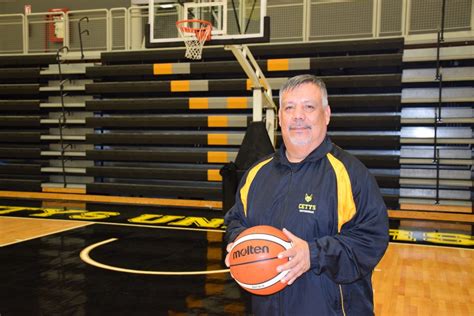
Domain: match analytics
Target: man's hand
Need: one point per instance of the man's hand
(299, 261)
(229, 247)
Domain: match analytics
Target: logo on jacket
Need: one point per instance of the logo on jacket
(307, 207)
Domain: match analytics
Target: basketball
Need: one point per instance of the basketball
(253, 259)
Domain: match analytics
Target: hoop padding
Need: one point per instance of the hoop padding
(194, 34)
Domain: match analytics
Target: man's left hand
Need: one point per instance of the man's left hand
(299, 261)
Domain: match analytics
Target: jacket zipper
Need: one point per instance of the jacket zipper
(280, 303)
(287, 194)
(342, 300)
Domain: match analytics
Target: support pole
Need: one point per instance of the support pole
(262, 92)
(257, 105)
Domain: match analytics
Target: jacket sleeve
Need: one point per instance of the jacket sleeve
(355, 251)
(235, 219)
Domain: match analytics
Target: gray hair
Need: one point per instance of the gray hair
(297, 81)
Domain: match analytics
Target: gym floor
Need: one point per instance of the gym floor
(67, 267)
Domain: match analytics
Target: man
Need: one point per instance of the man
(326, 202)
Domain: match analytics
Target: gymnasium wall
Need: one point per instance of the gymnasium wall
(17, 6)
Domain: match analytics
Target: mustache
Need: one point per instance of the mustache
(299, 126)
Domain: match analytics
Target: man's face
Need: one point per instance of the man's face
(303, 119)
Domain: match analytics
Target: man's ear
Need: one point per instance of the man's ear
(327, 114)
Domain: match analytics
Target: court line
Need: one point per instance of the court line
(86, 258)
(165, 227)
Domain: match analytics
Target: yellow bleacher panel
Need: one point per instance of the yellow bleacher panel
(162, 69)
(237, 103)
(217, 157)
(278, 64)
(217, 139)
(217, 121)
(180, 85)
(198, 103)
(213, 175)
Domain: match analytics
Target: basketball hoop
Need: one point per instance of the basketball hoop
(194, 33)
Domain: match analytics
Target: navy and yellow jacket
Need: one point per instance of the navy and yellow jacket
(332, 201)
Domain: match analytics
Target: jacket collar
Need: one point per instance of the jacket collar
(318, 153)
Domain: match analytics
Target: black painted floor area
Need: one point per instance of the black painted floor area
(46, 276)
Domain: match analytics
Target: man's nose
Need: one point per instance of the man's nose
(299, 112)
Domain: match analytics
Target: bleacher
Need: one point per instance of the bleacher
(152, 124)
(20, 128)
(151, 118)
(436, 133)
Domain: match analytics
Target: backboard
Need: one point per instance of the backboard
(233, 21)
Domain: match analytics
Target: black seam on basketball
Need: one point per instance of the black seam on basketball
(249, 262)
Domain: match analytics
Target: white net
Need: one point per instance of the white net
(194, 34)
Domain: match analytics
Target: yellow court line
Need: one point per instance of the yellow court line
(87, 259)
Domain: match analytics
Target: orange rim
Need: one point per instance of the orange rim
(200, 32)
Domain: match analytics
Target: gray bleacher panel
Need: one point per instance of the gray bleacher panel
(20, 185)
(10, 75)
(12, 106)
(21, 122)
(15, 90)
(27, 60)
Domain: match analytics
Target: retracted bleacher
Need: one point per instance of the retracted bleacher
(20, 128)
(164, 126)
(436, 135)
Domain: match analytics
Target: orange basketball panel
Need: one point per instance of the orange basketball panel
(256, 272)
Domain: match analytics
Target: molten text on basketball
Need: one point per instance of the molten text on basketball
(250, 250)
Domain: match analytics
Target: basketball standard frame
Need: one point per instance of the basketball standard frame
(222, 38)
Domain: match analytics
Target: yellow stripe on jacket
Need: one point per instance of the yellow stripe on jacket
(346, 208)
(244, 191)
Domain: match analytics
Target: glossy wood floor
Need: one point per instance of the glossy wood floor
(410, 279)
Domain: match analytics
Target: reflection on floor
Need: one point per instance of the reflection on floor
(47, 276)
(149, 253)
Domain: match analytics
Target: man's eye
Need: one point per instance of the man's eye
(309, 108)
